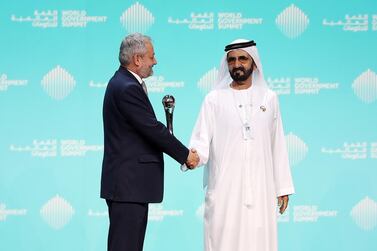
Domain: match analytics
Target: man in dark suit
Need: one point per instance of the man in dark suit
(133, 165)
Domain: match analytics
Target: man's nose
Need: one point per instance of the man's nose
(237, 63)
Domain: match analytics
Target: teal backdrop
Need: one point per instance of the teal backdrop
(57, 56)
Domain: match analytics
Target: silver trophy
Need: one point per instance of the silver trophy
(168, 101)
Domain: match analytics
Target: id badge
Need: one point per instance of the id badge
(247, 131)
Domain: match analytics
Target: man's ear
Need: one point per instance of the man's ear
(137, 59)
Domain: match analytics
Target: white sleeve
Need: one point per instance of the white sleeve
(203, 130)
(281, 168)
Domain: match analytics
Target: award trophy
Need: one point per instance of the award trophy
(168, 101)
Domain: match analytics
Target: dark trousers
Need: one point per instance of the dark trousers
(128, 222)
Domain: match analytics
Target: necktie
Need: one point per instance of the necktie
(144, 87)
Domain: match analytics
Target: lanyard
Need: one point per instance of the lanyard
(244, 111)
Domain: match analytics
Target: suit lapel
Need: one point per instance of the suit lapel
(130, 75)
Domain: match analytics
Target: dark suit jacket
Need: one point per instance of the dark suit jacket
(133, 164)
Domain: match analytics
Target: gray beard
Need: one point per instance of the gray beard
(239, 78)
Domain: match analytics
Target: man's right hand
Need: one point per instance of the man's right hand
(192, 159)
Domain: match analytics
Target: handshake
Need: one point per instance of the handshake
(192, 159)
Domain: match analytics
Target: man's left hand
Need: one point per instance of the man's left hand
(283, 203)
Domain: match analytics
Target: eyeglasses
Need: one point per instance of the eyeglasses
(241, 59)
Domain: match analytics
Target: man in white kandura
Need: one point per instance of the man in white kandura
(239, 137)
